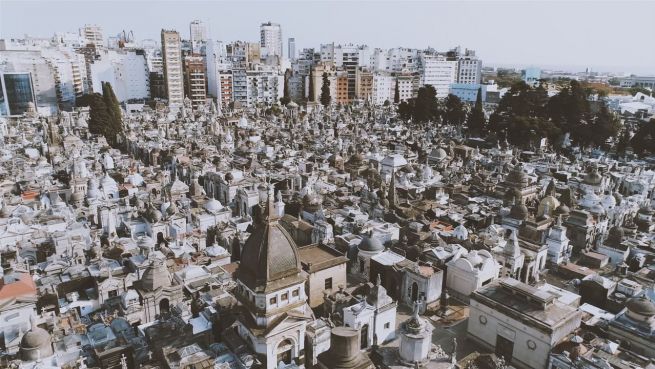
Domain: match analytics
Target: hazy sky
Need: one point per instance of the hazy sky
(604, 35)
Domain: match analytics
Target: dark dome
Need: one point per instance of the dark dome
(641, 306)
(615, 236)
(563, 209)
(268, 255)
(519, 211)
(371, 244)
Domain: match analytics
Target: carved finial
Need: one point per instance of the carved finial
(271, 197)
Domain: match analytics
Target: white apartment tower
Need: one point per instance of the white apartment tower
(173, 77)
(469, 69)
(92, 34)
(271, 39)
(198, 33)
(292, 49)
(439, 72)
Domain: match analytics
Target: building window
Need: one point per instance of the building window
(112, 293)
(273, 300)
(387, 325)
(328, 283)
(285, 296)
(295, 292)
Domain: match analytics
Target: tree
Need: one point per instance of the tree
(521, 116)
(396, 94)
(476, 119)
(284, 100)
(99, 118)
(643, 142)
(311, 96)
(405, 110)
(614, 81)
(114, 111)
(636, 89)
(454, 110)
(623, 142)
(325, 91)
(426, 106)
(604, 125)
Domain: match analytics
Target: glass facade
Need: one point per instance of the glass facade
(18, 93)
(3, 102)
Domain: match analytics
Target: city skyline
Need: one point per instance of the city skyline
(485, 26)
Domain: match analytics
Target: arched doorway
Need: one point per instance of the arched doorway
(364, 336)
(164, 306)
(414, 292)
(160, 239)
(285, 351)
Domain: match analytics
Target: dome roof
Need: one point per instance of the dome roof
(243, 121)
(615, 236)
(608, 201)
(213, 206)
(108, 183)
(35, 338)
(518, 177)
(194, 271)
(474, 258)
(460, 232)
(35, 344)
(371, 244)
(155, 276)
(641, 305)
(597, 210)
(271, 253)
(593, 178)
(77, 196)
(519, 211)
(395, 160)
(146, 242)
(440, 153)
(563, 209)
(135, 179)
(549, 202)
(589, 200)
(92, 188)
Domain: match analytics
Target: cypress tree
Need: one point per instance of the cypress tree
(311, 85)
(476, 119)
(286, 99)
(396, 94)
(113, 108)
(99, 118)
(325, 91)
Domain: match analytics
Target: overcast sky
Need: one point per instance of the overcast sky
(603, 35)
